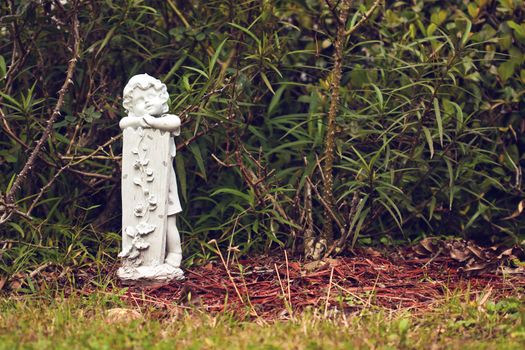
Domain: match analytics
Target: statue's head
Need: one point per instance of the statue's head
(145, 95)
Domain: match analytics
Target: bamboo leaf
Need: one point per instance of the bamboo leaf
(430, 143)
(466, 33)
(200, 71)
(181, 175)
(216, 56)
(234, 192)
(175, 67)
(3, 68)
(362, 216)
(275, 100)
(106, 40)
(379, 96)
(439, 121)
(253, 36)
(267, 82)
(195, 150)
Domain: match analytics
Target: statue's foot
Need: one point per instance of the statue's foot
(173, 259)
(150, 275)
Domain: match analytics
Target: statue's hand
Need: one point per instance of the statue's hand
(148, 120)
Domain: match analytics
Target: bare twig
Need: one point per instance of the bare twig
(288, 281)
(336, 247)
(228, 271)
(328, 293)
(45, 188)
(328, 209)
(200, 133)
(186, 111)
(9, 241)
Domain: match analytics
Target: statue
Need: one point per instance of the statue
(151, 247)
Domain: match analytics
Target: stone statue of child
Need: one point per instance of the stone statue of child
(145, 100)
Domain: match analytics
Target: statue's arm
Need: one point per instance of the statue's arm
(168, 122)
(133, 122)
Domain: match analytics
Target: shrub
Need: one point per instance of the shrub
(429, 132)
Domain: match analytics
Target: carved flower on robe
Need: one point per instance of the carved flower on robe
(139, 210)
(136, 164)
(139, 243)
(152, 200)
(125, 251)
(134, 254)
(149, 171)
(130, 231)
(145, 228)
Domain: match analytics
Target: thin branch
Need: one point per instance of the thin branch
(327, 208)
(340, 243)
(364, 18)
(10, 196)
(71, 163)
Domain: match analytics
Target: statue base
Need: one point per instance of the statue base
(149, 276)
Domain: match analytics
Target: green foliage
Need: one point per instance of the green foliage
(429, 134)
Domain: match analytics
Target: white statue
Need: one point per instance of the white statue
(151, 248)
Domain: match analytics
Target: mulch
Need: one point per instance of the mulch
(274, 286)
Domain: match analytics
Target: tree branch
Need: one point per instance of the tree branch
(329, 149)
(21, 177)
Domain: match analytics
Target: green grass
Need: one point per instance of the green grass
(82, 323)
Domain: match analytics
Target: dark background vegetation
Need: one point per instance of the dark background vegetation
(428, 134)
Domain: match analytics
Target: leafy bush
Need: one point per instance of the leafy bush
(428, 137)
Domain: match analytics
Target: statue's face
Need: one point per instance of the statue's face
(147, 102)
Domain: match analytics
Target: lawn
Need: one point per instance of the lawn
(101, 320)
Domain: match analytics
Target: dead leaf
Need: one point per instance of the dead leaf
(475, 267)
(428, 247)
(518, 211)
(476, 251)
(16, 281)
(372, 252)
(312, 266)
(428, 244)
(332, 262)
(506, 270)
(507, 252)
(459, 254)
(120, 315)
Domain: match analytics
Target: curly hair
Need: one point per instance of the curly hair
(143, 82)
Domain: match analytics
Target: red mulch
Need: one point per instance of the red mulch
(393, 280)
